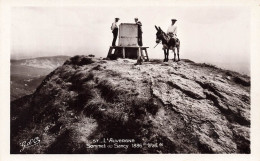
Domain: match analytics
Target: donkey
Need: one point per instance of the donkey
(168, 43)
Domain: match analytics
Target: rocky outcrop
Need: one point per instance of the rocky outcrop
(175, 107)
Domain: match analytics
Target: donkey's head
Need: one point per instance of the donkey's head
(159, 34)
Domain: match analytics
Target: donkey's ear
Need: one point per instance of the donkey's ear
(156, 27)
(160, 28)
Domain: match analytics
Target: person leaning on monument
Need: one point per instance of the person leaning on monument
(114, 28)
(140, 32)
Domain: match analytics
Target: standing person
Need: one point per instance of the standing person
(140, 32)
(114, 29)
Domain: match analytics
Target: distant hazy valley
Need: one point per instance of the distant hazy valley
(27, 74)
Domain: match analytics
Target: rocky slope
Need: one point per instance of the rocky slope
(91, 105)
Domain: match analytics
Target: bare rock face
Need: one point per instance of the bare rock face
(174, 107)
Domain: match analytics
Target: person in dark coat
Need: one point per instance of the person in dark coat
(140, 32)
(114, 28)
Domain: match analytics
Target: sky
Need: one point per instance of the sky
(219, 35)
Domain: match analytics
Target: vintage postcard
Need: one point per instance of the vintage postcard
(131, 77)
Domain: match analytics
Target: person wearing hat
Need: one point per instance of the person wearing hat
(172, 29)
(139, 32)
(114, 29)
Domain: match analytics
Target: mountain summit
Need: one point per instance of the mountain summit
(91, 105)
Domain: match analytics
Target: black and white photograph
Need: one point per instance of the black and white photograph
(130, 79)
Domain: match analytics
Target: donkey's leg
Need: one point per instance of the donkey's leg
(174, 54)
(164, 55)
(178, 51)
(167, 54)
